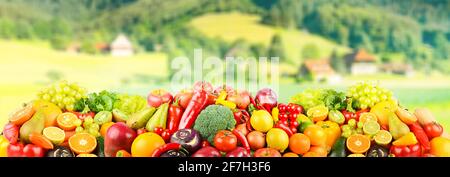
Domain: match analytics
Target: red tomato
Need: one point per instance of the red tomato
(433, 129)
(166, 135)
(225, 141)
(158, 97)
(241, 98)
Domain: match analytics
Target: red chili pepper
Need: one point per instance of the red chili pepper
(165, 148)
(259, 107)
(241, 116)
(249, 125)
(11, 132)
(285, 128)
(241, 137)
(174, 116)
(421, 136)
(407, 151)
(197, 103)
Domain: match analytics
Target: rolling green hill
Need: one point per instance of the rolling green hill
(234, 25)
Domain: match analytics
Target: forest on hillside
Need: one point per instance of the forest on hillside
(417, 29)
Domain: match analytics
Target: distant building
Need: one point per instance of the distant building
(398, 68)
(73, 48)
(361, 62)
(102, 47)
(121, 47)
(318, 70)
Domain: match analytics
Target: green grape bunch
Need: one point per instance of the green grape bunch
(63, 94)
(368, 94)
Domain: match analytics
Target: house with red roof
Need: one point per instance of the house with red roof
(361, 62)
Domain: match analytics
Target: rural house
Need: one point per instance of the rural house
(121, 47)
(398, 68)
(361, 62)
(318, 70)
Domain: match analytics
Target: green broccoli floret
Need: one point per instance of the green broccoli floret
(212, 119)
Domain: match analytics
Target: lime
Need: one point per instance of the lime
(54, 134)
(367, 116)
(383, 137)
(371, 127)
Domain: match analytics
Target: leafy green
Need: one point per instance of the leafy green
(309, 98)
(96, 102)
(130, 104)
(212, 119)
(334, 100)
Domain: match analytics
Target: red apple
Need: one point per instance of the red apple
(183, 97)
(241, 98)
(267, 152)
(203, 85)
(158, 97)
(228, 89)
(118, 137)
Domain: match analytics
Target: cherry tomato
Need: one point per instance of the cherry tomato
(225, 141)
(299, 109)
(293, 129)
(166, 135)
(285, 122)
(283, 116)
(205, 143)
(294, 123)
(282, 108)
(293, 116)
(158, 130)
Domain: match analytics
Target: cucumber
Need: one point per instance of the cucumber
(339, 149)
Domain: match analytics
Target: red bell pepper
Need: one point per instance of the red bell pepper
(197, 103)
(174, 116)
(11, 132)
(421, 136)
(165, 148)
(30, 150)
(407, 151)
(15, 150)
(241, 137)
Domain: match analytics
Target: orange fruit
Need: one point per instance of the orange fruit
(145, 144)
(290, 154)
(358, 144)
(87, 155)
(320, 150)
(41, 141)
(316, 134)
(105, 127)
(312, 154)
(22, 115)
(82, 143)
(299, 143)
(440, 147)
(66, 121)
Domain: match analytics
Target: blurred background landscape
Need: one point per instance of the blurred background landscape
(127, 45)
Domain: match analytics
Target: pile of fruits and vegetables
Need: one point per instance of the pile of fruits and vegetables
(364, 121)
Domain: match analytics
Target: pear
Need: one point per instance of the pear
(35, 125)
(396, 127)
(139, 119)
